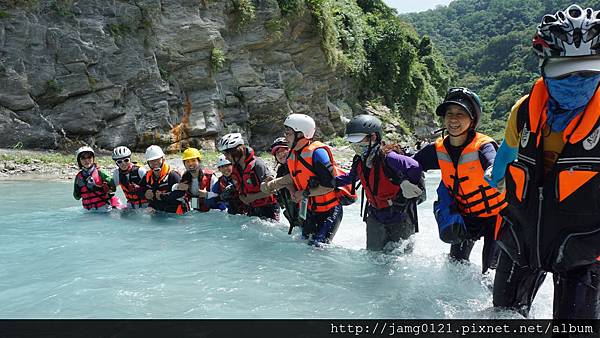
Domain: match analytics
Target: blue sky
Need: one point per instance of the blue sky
(405, 6)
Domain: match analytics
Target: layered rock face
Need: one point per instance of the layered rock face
(168, 72)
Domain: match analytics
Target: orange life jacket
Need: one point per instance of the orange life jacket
(556, 212)
(301, 167)
(473, 195)
(162, 184)
(92, 198)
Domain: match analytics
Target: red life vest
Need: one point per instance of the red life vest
(381, 192)
(92, 198)
(473, 195)
(247, 182)
(233, 203)
(134, 198)
(203, 184)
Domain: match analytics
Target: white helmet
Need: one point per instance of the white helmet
(222, 160)
(81, 150)
(153, 152)
(301, 122)
(568, 41)
(230, 141)
(121, 152)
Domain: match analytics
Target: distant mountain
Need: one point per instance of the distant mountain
(488, 44)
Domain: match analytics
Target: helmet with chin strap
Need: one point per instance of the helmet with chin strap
(81, 151)
(361, 126)
(301, 123)
(466, 99)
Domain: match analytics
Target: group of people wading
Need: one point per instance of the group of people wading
(535, 199)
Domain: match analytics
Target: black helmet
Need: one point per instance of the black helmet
(362, 125)
(279, 142)
(465, 98)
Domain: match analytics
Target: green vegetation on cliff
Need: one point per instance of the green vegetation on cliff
(383, 53)
(488, 43)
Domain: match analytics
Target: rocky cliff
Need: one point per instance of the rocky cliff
(169, 72)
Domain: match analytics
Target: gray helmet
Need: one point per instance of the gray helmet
(361, 126)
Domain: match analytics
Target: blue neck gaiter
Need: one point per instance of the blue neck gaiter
(568, 98)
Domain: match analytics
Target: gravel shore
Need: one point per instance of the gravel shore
(29, 165)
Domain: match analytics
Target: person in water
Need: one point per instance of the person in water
(280, 151)
(92, 186)
(312, 171)
(158, 184)
(549, 163)
(128, 175)
(249, 171)
(228, 197)
(391, 181)
(463, 156)
(197, 181)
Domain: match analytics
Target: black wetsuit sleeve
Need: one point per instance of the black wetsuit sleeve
(76, 192)
(487, 154)
(427, 158)
(282, 170)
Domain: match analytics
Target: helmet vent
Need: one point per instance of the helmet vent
(574, 13)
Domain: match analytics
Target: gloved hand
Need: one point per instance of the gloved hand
(410, 190)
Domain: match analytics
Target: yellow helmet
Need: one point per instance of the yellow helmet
(190, 153)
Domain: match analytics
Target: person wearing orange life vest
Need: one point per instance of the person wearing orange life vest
(549, 163)
(312, 172)
(128, 175)
(92, 186)
(249, 171)
(197, 181)
(392, 183)
(159, 184)
(463, 156)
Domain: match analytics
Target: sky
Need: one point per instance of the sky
(405, 6)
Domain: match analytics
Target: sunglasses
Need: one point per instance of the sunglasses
(88, 157)
(126, 160)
